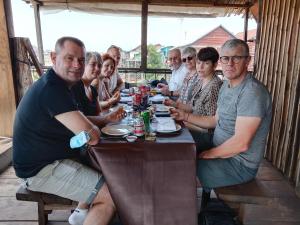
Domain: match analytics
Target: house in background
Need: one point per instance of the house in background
(216, 37)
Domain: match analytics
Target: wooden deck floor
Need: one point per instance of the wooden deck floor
(13, 212)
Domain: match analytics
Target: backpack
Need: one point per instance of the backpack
(217, 212)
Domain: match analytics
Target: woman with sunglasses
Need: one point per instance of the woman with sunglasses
(189, 60)
(204, 95)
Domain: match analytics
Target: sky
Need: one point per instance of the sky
(98, 32)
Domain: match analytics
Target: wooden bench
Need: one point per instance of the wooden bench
(5, 152)
(266, 190)
(46, 203)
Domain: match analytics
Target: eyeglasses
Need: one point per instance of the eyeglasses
(235, 59)
(172, 59)
(189, 58)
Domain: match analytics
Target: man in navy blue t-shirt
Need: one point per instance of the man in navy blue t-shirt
(46, 119)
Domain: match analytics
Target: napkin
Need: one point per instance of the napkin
(165, 124)
(126, 99)
(162, 108)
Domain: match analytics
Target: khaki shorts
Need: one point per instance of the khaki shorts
(67, 178)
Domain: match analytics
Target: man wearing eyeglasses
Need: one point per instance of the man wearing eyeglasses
(241, 123)
(179, 71)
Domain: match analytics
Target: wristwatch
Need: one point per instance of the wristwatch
(171, 93)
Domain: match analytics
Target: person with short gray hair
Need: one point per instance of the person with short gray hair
(179, 72)
(189, 51)
(242, 121)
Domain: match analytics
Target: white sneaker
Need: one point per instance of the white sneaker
(78, 216)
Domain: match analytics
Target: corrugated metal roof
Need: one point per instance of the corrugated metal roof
(174, 8)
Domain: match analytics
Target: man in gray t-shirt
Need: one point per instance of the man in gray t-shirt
(241, 123)
(248, 100)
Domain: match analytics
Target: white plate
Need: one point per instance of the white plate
(125, 91)
(117, 130)
(178, 127)
(162, 108)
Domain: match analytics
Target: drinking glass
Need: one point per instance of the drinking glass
(129, 110)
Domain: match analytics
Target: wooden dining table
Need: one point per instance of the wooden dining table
(151, 182)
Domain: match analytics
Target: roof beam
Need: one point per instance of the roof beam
(186, 3)
(37, 19)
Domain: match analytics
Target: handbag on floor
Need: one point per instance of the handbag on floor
(217, 212)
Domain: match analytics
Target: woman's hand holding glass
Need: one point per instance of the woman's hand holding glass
(115, 98)
(117, 115)
(178, 114)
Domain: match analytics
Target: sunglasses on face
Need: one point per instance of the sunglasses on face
(189, 58)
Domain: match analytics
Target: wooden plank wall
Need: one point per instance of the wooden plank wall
(278, 66)
(7, 94)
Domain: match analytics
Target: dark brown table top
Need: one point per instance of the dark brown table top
(152, 183)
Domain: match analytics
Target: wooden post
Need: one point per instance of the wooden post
(258, 33)
(144, 35)
(7, 93)
(246, 23)
(38, 29)
(9, 18)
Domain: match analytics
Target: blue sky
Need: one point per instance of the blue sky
(98, 32)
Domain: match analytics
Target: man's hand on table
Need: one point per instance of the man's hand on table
(164, 89)
(161, 85)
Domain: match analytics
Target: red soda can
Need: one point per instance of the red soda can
(137, 98)
(143, 90)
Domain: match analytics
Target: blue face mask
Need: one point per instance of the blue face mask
(80, 139)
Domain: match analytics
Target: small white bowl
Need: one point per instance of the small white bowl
(131, 138)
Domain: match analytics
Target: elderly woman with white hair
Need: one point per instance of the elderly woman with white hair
(191, 78)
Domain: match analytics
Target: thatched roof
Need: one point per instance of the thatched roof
(174, 8)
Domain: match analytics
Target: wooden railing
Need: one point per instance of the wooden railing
(136, 76)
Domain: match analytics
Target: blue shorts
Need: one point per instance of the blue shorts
(214, 173)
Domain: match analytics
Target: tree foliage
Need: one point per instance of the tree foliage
(154, 58)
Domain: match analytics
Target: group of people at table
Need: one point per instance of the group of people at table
(229, 120)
